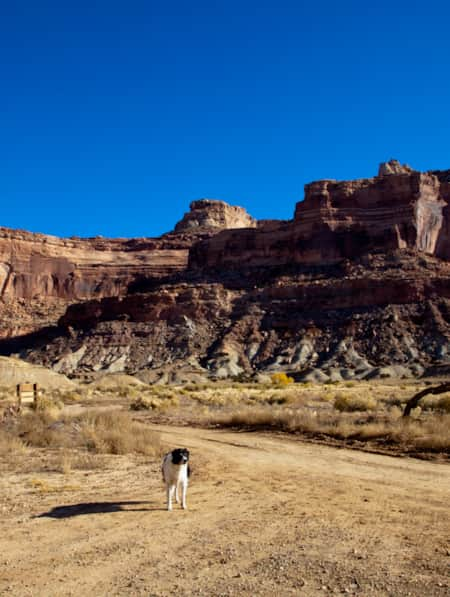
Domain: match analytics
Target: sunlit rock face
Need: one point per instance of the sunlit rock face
(399, 209)
(355, 286)
(41, 274)
(214, 214)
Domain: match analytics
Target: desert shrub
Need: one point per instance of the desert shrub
(117, 433)
(195, 387)
(444, 404)
(11, 445)
(393, 400)
(154, 403)
(127, 391)
(353, 403)
(41, 428)
(111, 432)
(142, 403)
(277, 399)
(47, 404)
(434, 404)
(431, 434)
(7, 393)
(281, 379)
(71, 396)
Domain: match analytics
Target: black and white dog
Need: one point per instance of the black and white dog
(175, 472)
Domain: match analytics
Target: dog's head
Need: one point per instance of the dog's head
(180, 456)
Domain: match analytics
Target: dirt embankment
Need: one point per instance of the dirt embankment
(266, 516)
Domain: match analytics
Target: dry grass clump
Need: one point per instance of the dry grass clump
(47, 404)
(10, 445)
(71, 396)
(7, 393)
(354, 403)
(126, 391)
(261, 417)
(151, 403)
(116, 433)
(101, 433)
(242, 394)
(159, 398)
(444, 404)
(41, 428)
(431, 434)
(435, 403)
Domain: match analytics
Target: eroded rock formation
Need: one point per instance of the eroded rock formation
(340, 220)
(213, 214)
(356, 285)
(40, 275)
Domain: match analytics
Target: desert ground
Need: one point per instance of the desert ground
(268, 514)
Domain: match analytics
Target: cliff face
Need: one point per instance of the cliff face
(39, 265)
(341, 220)
(40, 275)
(388, 315)
(356, 285)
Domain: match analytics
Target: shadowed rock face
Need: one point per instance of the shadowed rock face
(356, 285)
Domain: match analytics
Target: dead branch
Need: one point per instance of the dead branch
(414, 401)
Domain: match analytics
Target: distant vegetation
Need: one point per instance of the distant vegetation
(103, 418)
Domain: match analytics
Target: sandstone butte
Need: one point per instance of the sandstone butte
(356, 285)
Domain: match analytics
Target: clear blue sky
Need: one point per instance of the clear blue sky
(114, 115)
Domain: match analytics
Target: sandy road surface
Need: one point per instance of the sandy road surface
(267, 516)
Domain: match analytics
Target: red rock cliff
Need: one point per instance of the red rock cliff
(341, 220)
(41, 274)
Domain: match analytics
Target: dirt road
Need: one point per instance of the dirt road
(267, 515)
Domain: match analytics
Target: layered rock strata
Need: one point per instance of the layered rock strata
(341, 220)
(357, 285)
(40, 275)
(388, 316)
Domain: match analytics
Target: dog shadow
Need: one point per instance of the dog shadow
(95, 508)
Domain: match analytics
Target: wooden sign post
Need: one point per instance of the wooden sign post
(27, 393)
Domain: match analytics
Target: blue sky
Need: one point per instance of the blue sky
(114, 115)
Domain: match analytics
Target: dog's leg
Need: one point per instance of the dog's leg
(177, 496)
(183, 498)
(170, 489)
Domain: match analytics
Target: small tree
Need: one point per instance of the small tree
(281, 379)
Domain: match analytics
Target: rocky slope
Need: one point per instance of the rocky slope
(357, 285)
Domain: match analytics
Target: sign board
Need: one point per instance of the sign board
(27, 393)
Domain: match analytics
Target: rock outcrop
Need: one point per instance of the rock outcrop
(356, 285)
(340, 220)
(393, 167)
(214, 214)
